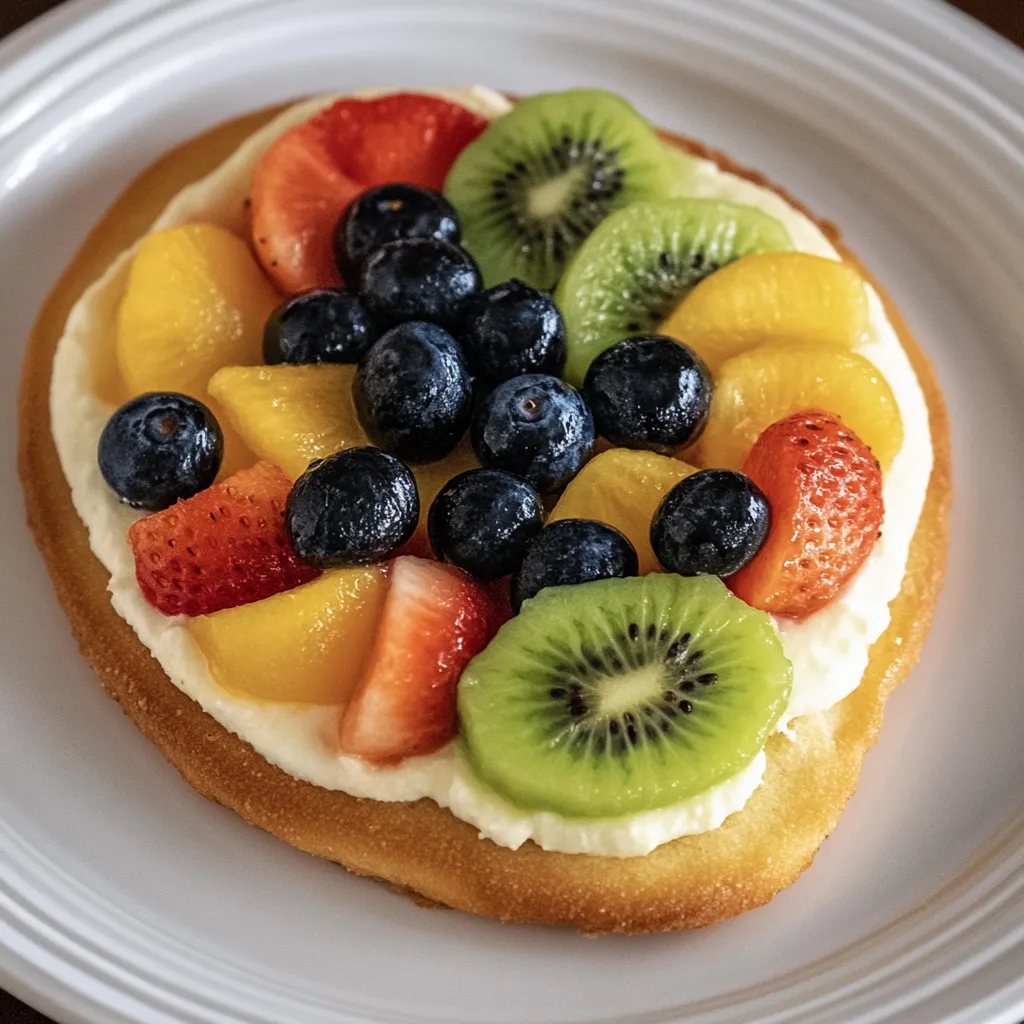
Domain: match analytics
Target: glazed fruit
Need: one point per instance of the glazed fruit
(309, 645)
(637, 267)
(769, 297)
(419, 279)
(648, 392)
(353, 508)
(756, 389)
(712, 523)
(413, 392)
(536, 427)
(224, 547)
(387, 213)
(435, 620)
(572, 551)
(825, 491)
(482, 520)
(158, 448)
(308, 176)
(544, 175)
(623, 488)
(622, 696)
(325, 325)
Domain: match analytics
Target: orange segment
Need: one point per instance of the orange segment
(307, 645)
(623, 488)
(770, 297)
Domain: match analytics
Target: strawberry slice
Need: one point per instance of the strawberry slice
(824, 488)
(307, 177)
(435, 620)
(223, 547)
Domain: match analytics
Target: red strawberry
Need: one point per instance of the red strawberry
(435, 620)
(223, 547)
(309, 175)
(825, 491)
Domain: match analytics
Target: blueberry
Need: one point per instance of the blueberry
(160, 447)
(352, 508)
(419, 279)
(482, 520)
(572, 551)
(536, 427)
(387, 213)
(649, 392)
(512, 329)
(712, 523)
(322, 326)
(413, 392)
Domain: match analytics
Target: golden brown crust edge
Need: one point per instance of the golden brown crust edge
(688, 883)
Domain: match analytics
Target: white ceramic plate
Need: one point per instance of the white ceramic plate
(124, 896)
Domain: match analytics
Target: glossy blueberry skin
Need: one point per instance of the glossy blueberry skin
(413, 392)
(571, 551)
(512, 329)
(387, 213)
(159, 447)
(355, 507)
(710, 524)
(326, 325)
(536, 427)
(649, 392)
(482, 520)
(419, 279)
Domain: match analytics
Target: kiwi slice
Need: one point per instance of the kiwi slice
(634, 269)
(622, 695)
(541, 177)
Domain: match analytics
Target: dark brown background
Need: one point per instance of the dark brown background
(1005, 16)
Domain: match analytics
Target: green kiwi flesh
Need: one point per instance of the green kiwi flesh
(540, 178)
(635, 269)
(623, 695)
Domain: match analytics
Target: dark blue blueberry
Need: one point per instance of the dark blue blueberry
(413, 392)
(419, 279)
(536, 427)
(572, 551)
(387, 213)
(322, 326)
(649, 392)
(710, 524)
(512, 329)
(160, 447)
(352, 508)
(482, 520)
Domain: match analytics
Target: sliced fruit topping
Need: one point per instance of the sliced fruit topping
(622, 696)
(712, 523)
(353, 508)
(648, 392)
(536, 427)
(225, 546)
(435, 620)
(512, 329)
(825, 490)
(637, 267)
(325, 325)
(482, 521)
(756, 389)
(413, 392)
(544, 175)
(572, 551)
(623, 489)
(159, 448)
(308, 646)
(769, 297)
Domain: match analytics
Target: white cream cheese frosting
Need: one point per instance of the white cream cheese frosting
(829, 651)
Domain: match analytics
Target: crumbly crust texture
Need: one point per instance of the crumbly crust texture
(423, 849)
